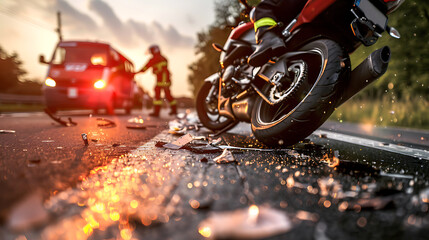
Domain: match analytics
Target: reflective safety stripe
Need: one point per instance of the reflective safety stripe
(158, 67)
(174, 102)
(163, 84)
(264, 22)
(157, 102)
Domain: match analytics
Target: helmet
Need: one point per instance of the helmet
(154, 49)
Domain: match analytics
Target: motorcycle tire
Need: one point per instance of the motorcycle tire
(209, 115)
(317, 103)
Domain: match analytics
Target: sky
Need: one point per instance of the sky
(27, 27)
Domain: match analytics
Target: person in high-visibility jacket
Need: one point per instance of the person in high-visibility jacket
(159, 65)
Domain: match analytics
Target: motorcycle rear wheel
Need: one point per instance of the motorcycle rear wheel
(293, 119)
(207, 110)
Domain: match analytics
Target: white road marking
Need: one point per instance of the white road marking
(413, 152)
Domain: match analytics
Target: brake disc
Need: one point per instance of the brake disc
(299, 70)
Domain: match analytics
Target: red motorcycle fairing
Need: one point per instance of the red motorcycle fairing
(238, 31)
(311, 10)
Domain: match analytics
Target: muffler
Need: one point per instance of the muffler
(373, 67)
(243, 109)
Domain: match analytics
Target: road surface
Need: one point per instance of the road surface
(329, 186)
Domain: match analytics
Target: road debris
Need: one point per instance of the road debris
(307, 216)
(103, 122)
(424, 195)
(7, 131)
(202, 148)
(396, 175)
(136, 123)
(245, 149)
(85, 139)
(27, 214)
(59, 120)
(136, 126)
(216, 141)
(180, 142)
(34, 162)
(376, 203)
(225, 157)
(248, 223)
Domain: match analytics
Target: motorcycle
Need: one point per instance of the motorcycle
(290, 96)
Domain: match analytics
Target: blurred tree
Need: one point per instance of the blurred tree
(227, 16)
(407, 76)
(10, 70)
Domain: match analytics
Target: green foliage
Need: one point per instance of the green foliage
(12, 76)
(207, 63)
(407, 77)
(10, 70)
(385, 112)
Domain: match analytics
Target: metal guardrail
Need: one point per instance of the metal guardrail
(21, 99)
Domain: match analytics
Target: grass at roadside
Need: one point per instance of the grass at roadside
(21, 107)
(385, 112)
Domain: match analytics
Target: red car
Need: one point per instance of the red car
(90, 75)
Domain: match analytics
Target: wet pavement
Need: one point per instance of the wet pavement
(321, 188)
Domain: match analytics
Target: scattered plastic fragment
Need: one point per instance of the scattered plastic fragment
(103, 122)
(245, 149)
(28, 214)
(202, 149)
(225, 157)
(175, 127)
(34, 162)
(395, 175)
(424, 195)
(58, 119)
(7, 131)
(376, 203)
(160, 144)
(177, 130)
(71, 121)
(307, 216)
(180, 142)
(216, 141)
(136, 126)
(136, 120)
(201, 138)
(85, 138)
(136, 123)
(249, 223)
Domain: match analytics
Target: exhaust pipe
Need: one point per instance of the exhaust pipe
(373, 67)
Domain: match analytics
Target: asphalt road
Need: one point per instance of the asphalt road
(44, 155)
(337, 187)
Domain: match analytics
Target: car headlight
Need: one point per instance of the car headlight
(50, 82)
(100, 84)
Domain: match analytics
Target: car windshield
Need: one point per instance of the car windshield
(87, 55)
